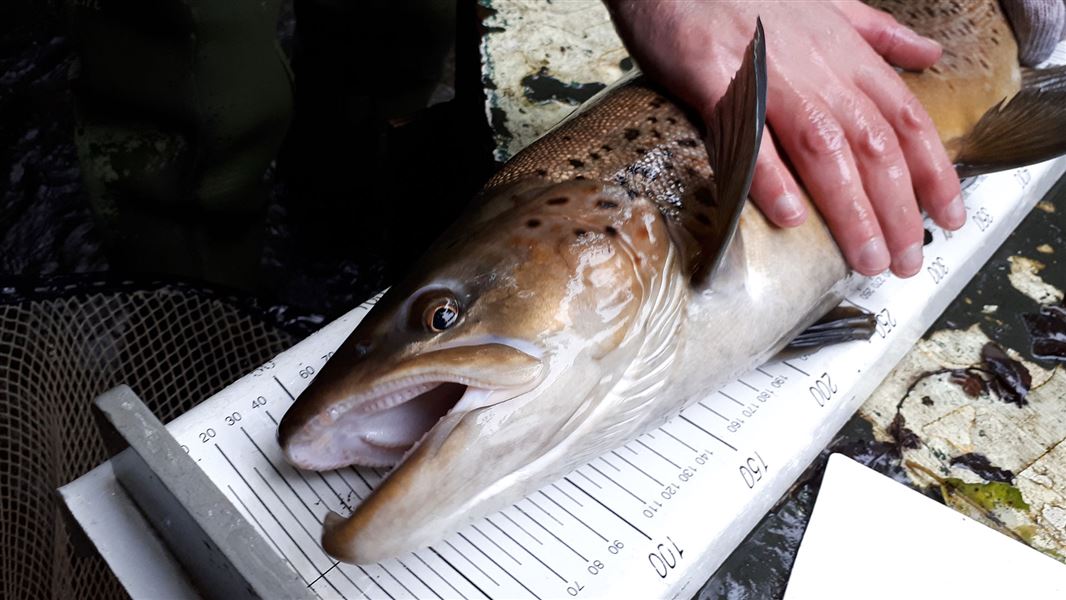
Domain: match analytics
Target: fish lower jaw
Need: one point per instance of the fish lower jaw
(384, 438)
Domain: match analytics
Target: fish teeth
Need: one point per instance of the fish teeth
(398, 396)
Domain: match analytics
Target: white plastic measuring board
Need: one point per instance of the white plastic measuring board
(651, 519)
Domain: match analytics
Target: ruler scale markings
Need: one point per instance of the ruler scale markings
(748, 385)
(716, 413)
(677, 439)
(376, 582)
(267, 534)
(646, 474)
(396, 579)
(472, 563)
(609, 509)
(345, 480)
(531, 536)
(575, 517)
(282, 477)
(273, 516)
(563, 492)
(608, 463)
(505, 571)
(340, 498)
(795, 368)
(764, 372)
(550, 516)
(420, 580)
(731, 398)
(527, 550)
(549, 532)
(493, 542)
(321, 501)
(598, 486)
(656, 453)
(691, 422)
(444, 579)
(361, 478)
(314, 540)
(284, 389)
(620, 486)
(630, 448)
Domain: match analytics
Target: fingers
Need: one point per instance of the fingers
(818, 145)
(932, 174)
(886, 180)
(774, 190)
(899, 45)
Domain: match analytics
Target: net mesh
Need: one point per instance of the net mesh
(174, 347)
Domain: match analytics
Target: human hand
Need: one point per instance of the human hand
(860, 142)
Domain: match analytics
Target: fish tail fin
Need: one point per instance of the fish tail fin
(1028, 128)
(735, 130)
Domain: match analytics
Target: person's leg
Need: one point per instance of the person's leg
(181, 106)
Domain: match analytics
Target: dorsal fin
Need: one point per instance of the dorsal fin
(735, 128)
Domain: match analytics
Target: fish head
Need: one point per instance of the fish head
(473, 371)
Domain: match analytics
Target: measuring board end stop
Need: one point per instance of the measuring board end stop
(219, 549)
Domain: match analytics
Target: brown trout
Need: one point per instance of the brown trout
(609, 275)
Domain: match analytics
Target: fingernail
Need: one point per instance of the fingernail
(873, 256)
(788, 208)
(909, 261)
(955, 214)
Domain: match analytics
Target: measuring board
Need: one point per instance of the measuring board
(653, 518)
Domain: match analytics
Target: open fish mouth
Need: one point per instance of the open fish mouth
(378, 425)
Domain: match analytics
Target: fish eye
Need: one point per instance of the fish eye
(441, 314)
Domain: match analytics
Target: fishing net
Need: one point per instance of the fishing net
(173, 345)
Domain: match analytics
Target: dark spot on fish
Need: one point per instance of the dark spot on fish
(542, 172)
(577, 164)
(559, 200)
(640, 150)
(927, 401)
(567, 138)
(632, 134)
(606, 204)
(611, 231)
(533, 223)
(690, 172)
(703, 219)
(687, 142)
(656, 134)
(668, 166)
(605, 148)
(656, 102)
(579, 232)
(671, 120)
(905, 438)
(653, 119)
(542, 87)
(703, 195)
(580, 178)
(979, 464)
(928, 239)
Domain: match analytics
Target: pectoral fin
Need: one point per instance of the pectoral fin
(735, 126)
(842, 324)
(1021, 131)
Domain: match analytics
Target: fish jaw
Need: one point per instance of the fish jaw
(378, 418)
(470, 465)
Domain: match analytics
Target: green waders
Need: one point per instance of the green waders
(181, 106)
